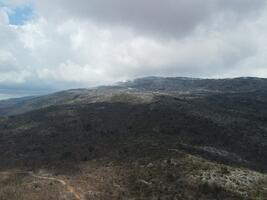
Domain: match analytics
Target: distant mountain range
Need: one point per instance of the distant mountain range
(150, 138)
(152, 85)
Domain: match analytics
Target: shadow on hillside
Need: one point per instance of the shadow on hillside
(62, 137)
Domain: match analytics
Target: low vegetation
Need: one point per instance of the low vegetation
(148, 139)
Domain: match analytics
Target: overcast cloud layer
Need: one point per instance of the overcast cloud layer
(77, 43)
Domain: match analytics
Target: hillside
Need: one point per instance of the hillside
(151, 138)
(149, 85)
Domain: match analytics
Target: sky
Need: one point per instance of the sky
(49, 45)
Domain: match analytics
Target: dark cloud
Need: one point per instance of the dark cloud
(78, 43)
(171, 17)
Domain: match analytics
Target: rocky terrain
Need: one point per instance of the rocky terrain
(151, 138)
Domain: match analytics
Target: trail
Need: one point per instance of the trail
(69, 188)
(62, 182)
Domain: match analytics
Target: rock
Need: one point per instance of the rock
(150, 165)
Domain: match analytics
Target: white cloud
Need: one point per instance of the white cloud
(78, 50)
(3, 17)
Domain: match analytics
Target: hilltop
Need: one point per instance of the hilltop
(150, 138)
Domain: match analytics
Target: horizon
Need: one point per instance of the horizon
(133, 99)
(13, 93)
(57, 45)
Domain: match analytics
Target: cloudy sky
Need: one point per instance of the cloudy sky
(48, 45)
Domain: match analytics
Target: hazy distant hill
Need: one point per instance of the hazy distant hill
(162, 85)
(180, 84)
(151, 138)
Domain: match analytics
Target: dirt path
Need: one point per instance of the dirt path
(68, 187)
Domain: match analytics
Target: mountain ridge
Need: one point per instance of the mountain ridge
(149, 84)
(152, 138)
